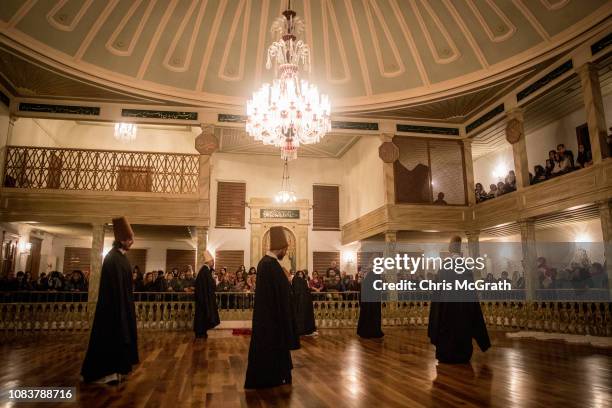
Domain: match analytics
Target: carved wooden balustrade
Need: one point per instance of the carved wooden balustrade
(100, 170)
(164, 311)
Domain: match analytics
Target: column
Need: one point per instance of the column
(389, 252)
(206, 144)
(469, 171)
(474, 247)
(97, 247)
(528, 244)
(3, 146)
(388, 153)
(605, 215)
(593, 106)
(201, 244)
(515, 135)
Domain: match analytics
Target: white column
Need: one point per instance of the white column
(97, 247)
(515, 135)
(594, 108)
(528, 243)
(605, 215)
(201, 244)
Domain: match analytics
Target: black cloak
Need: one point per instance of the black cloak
(206, 314)
(455, 318)
(370, 314)
(113, 346)
(302, 304)
(273, 334)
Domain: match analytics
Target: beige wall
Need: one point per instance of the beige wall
(362, 167)
(486, 166)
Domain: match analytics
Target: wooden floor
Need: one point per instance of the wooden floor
(337, 369)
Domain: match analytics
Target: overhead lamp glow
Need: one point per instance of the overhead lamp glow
(285, 194)
(125, 132)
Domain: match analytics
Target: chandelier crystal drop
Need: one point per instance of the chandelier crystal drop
(125, 132)
(285, 195)
(290, 111)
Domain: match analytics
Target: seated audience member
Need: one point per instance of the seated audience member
(493, 191)
(252, 270)
(189, 282)
(251, 283)
(330, 278)
(240, 285)
(345, 282)
(501, 189)
(224, 285)
(440, 199)
(170, 285)
(584, 159)
(137, 281)
(565, 158)
(77, 282)
(510, 182)
(56, 282)
(149, 282)
(489, 278)
(43, 282)
(316, 284)
(540, 174)
(504, 277)
(480, 193)
(175, 272)
(337, 285)
(356, 283)
(160, 282)
(28, 283)
(551, 167)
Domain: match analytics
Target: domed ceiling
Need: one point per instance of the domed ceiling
(366, 54)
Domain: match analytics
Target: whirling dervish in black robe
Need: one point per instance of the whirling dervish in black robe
(302, 305)
(113, 345)
(273, 336)
(369, 325)
(206, 315)
(455, 317)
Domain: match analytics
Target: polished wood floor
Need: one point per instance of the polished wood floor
(337, 369)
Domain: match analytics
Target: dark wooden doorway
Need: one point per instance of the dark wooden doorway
(33, 263)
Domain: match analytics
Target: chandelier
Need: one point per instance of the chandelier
(290, 111)
(125, 132)
(285, 194)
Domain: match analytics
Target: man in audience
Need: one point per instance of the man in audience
(510, 184)
(189, 281)
(493, 191)
(566, 158)
(584, 159)
(440, 199)
(481, 194)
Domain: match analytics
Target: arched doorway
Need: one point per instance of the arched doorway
(290, 260)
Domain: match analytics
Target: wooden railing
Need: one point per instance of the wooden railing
(100, 170)
(332, 310)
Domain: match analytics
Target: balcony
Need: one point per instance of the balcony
(55, 184)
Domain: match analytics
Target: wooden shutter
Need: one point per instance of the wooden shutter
(321, 261)
(180, 258)
(137, 257)
(230, 204)
(228, 259)
(326, 207)
(366, 260)
(77, 259)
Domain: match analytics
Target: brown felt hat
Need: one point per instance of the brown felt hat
(122, 229)
(278, 239)
(208, 257)
(455, 244)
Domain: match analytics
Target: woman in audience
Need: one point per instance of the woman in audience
(170, 285)
(252, 270)
(77, 282)
(552, 167)
(510, 184)
(501, 189)
(492, 191)
(55, 281)
(43, 282)
(240, 283)
(149, 282)
(315, 283)
(585, 158)
(480, 193)
(539, 174)
(250, 283)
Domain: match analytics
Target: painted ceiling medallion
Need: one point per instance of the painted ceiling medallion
(290, 111)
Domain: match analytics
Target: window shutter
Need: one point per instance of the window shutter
(137, 257)
(321, 261)
(230, 204)
(326, 207)
(180, 258)
(230, 260)
(77, 259)
(365, 260)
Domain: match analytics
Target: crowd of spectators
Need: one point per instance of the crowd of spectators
(576, 275)
(495, 190)
(56, 281)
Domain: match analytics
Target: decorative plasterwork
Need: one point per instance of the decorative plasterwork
(209, 52)
(60, 109)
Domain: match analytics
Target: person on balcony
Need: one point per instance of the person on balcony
(481, 194)
(455, 318)
(269, 361)
(113, 343)
(539, 174)
(206, 314)
(585, 158)
(440, 200)
(510, 182)
(565, 158)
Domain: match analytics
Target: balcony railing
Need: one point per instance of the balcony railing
(174, 311)
(100, 170)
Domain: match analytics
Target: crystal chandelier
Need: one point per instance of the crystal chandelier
(285, 194)
(125, 132)
(290, 111)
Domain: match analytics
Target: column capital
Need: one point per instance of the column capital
(472, 234)
(515, 113)
(391, 236)
(587, 68)
(386, 136)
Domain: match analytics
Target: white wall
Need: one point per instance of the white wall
(364, 189)
(485, 167)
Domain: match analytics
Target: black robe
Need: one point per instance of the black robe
(370, 314)
(206, 314)
(453, 321)
(302, 304)
(113, 346)
(273, 334)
